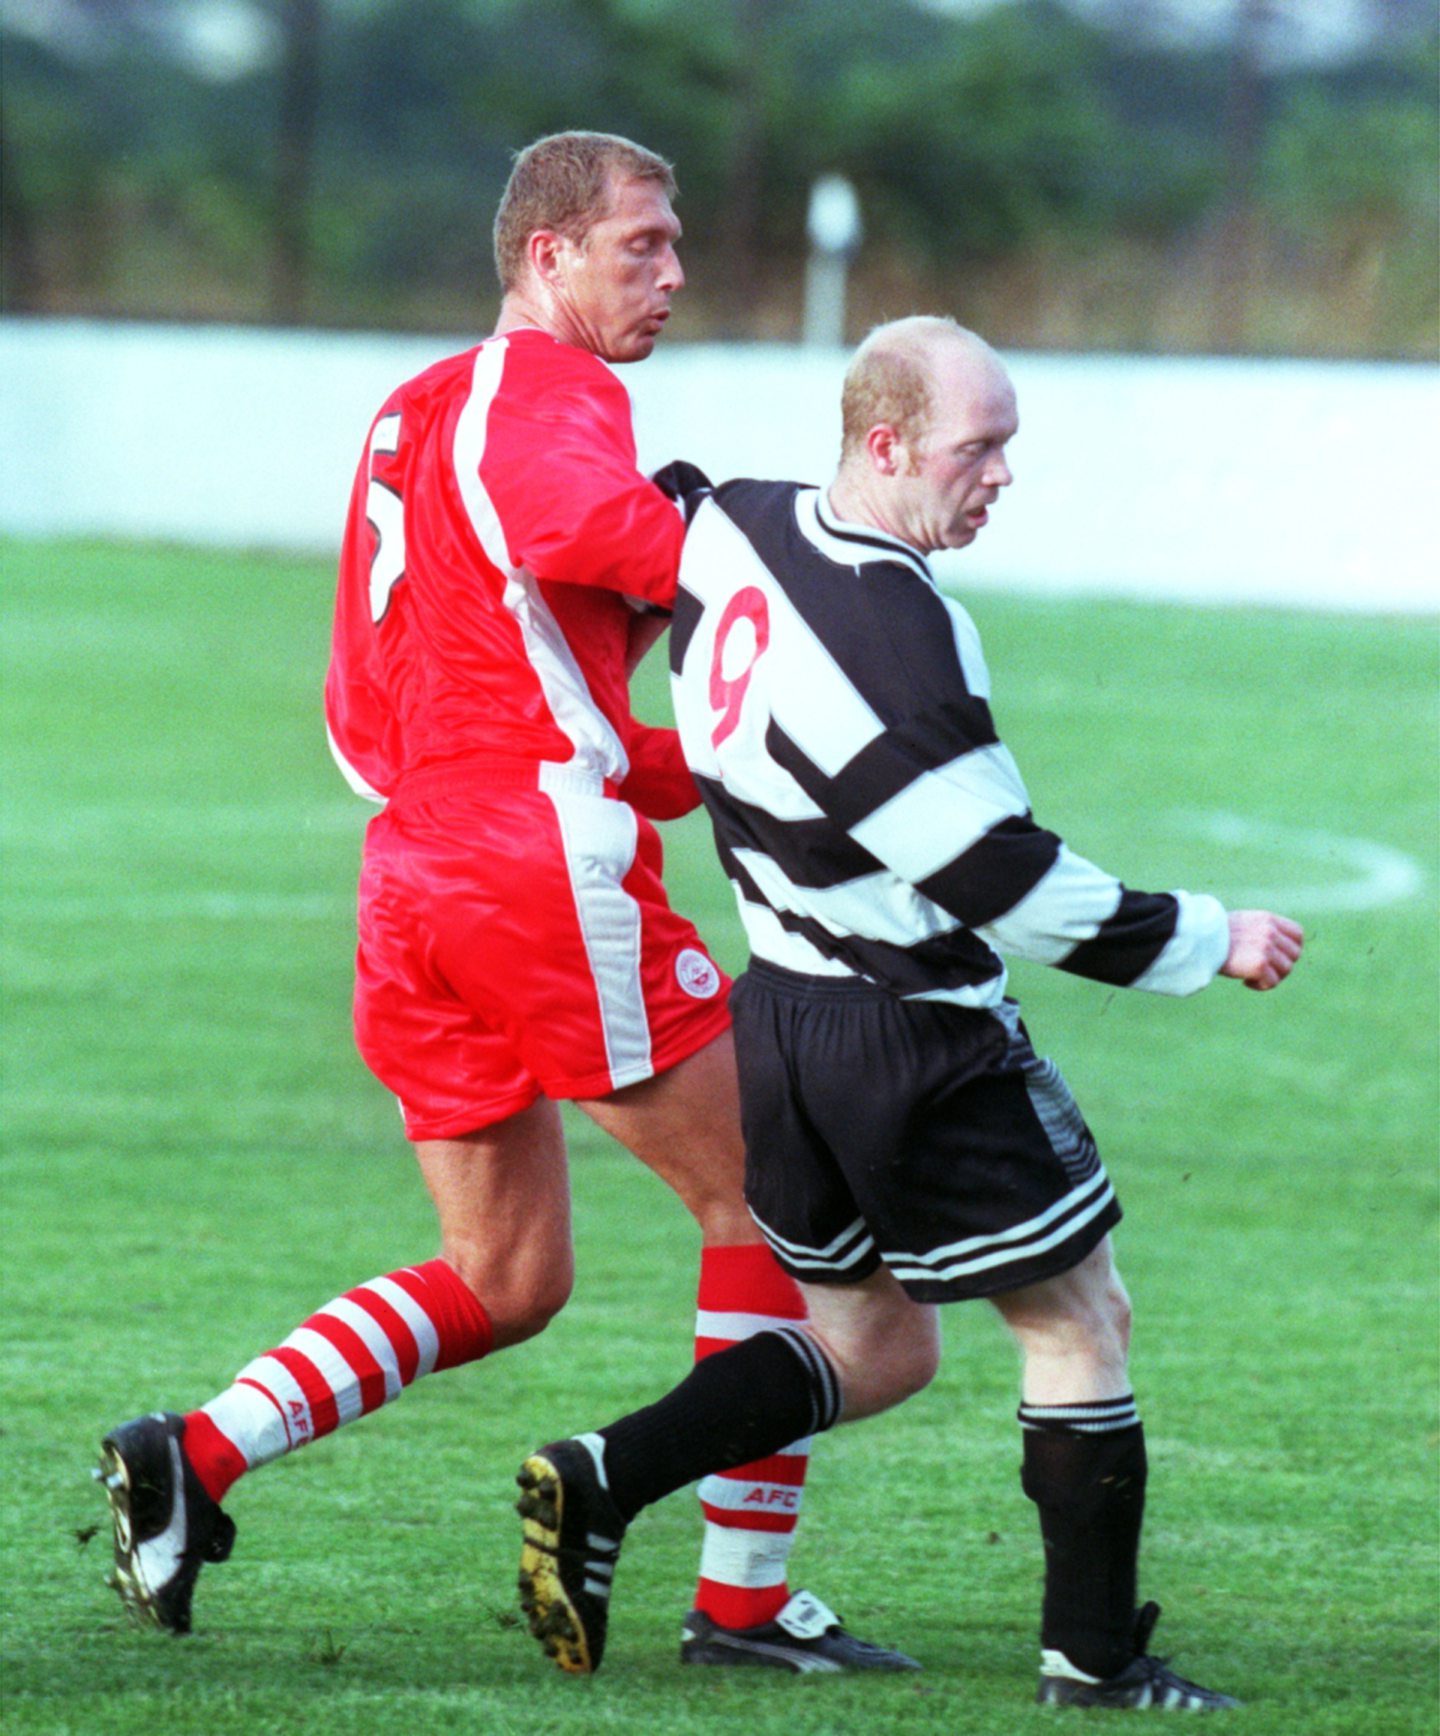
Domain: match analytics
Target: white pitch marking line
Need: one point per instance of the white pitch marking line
(1383, 875)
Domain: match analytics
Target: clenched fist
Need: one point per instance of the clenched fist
(1263, 948)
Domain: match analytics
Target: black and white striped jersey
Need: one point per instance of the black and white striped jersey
(834, 707)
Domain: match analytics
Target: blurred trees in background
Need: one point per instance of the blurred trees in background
(1057, 175)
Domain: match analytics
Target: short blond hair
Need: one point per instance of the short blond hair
(888, 380)
(562, 182)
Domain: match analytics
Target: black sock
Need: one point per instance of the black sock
(1084, 1468)
(739, 1404)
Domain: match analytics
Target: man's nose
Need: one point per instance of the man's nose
(672, 273)
(998, 473)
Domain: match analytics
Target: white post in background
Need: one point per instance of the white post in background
(834, 230)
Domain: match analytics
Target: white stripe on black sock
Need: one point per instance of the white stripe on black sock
(1094, 1417)
(825, 1383)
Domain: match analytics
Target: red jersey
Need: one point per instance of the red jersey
(497, 526)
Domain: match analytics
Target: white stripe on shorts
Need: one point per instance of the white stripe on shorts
(835, 1256)
(1012, 1247)
(599, 838)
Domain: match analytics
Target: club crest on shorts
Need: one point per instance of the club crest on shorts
(696, 975)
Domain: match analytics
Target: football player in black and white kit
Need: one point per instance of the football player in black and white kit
(905, 1144)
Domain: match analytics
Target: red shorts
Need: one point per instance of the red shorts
(516, 941)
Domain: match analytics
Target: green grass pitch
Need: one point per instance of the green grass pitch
(195, 1159)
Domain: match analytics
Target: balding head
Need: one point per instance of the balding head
(891, 378)
(927, 411)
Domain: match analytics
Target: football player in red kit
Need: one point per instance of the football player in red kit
(504, 568)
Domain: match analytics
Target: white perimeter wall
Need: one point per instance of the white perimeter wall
(1306, 483)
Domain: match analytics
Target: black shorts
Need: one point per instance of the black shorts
(927, 1136)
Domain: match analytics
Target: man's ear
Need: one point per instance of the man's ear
(886, 449)
(543, 249)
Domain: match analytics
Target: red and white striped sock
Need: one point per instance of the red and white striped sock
(750, 1512)
(354, 1355)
